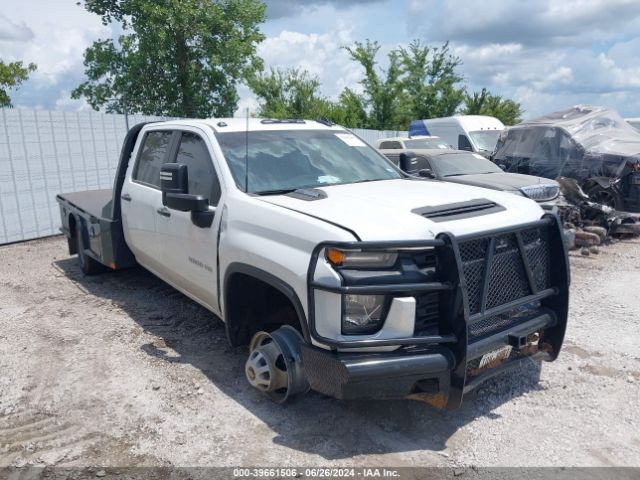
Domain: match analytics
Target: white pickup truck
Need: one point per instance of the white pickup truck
(342, 273)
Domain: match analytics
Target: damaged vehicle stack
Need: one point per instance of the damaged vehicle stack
(594, 154)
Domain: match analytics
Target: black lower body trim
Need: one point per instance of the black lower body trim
(376, 375)
(427, 374)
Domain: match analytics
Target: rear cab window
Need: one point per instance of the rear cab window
(390, 146)
(153, 154)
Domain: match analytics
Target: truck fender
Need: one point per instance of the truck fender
(277, 283)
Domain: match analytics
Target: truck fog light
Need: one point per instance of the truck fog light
(363, 314)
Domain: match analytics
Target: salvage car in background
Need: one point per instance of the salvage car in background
(591, 144)
(468, 168)
(399, 143)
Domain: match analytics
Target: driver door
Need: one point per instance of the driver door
(189, 253)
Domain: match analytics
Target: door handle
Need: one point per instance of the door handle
(126, 197)
(164, 211)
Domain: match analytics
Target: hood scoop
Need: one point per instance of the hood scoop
(459, 210)
(308, 194)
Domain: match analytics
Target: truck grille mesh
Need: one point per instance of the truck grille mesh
(495, 323)
(507, 277)
(536, 245)
(473, 254)
(427, 314)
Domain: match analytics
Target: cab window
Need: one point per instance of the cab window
(193, 152)
(390, 146)
(151, 158)
(464, 143)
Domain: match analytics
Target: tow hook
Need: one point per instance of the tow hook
(274, 365)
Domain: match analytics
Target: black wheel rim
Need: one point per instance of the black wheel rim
(604, 198)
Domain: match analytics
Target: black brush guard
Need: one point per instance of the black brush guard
(495, 288)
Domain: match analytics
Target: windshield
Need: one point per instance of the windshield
(282, 160)
(426, 143)
(451, 164)
(485, 139)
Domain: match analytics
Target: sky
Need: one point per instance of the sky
(545, 54)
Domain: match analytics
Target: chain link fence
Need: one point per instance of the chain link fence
(43, 153)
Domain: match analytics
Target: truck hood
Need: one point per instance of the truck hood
(500, 181)
(382, 210)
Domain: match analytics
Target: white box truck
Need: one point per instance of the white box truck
(474, 133)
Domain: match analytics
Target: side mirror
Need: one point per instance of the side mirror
(408, 161)
(174, 183)
(174, 178)
(426, 173)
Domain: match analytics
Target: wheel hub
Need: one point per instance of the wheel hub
(274, 366)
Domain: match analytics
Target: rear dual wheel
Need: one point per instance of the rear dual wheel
(88, 265)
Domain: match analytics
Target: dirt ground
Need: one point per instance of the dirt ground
(122, 370)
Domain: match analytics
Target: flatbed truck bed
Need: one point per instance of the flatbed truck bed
(92, 220)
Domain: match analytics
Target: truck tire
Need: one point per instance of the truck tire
(87, 264)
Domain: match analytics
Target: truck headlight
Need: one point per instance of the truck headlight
(363, 314)
(358, 259)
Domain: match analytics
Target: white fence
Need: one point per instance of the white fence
(371, 136)
(43, 153)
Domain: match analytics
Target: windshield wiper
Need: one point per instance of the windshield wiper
(370, 180)
(281, 191)
(455, 174)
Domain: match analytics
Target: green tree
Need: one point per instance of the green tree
(12, 75)
(175, 57)
(420, 82)
(429, 82)
(507, 111)
(350, 110)
(290, 93)
(381, 96)
(294, 93)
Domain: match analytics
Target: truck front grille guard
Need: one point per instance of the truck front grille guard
(481, 277)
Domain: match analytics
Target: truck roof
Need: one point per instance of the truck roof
(402, 139)
(255, 124)
(470, 122)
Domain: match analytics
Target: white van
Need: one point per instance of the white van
(474, 133)
(634, 122)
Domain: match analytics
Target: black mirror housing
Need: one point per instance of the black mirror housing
(174, 183)
(174, 178)
(407, 161)
(184, 202)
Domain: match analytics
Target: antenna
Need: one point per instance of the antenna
(246, 155)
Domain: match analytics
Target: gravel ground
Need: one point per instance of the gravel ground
(122, 370)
